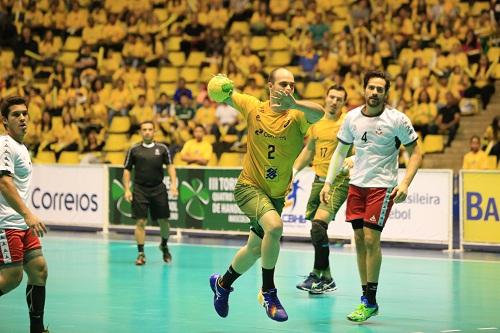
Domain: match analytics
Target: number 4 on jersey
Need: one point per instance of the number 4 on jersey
(364, 137)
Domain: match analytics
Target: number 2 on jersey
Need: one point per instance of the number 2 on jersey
(364, 137)
(270, 152)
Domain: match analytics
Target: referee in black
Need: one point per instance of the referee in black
(150, 193)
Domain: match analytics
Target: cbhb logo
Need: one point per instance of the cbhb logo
(475, 211)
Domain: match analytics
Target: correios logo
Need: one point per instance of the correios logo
(195, 197)
(118, 195)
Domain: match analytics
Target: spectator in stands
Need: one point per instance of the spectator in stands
(47, 135)
(67, 137)
(25, 43)
(251, 88)
(163, 107)
(475, 159)
(260, 20)
(197, 152)
(8, 32)
(182, 91)
(205, 115)
(184, 110)
(92, 141)
(193, 36)
(86, 63)
(308, 62)
(113, 33)
(92, 33)
(140, 113)
(119, 100)
(318, 29)
(492, 138)
(472, 47)
(448, 119)
(482, 81)
(49, 48)
(423, 113)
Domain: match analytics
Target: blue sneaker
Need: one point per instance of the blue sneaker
(323, 286)
(309, 282)
(269, 300)
(221, 296)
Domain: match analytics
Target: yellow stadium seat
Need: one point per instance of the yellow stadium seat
(478, 7)
(116, 142)
(258, 43)
(161, 14)
(240, 26)
(210, 138)
(190, 74)
(174, 43)
(72, 43)
(231, 160)
(393, 70)
(57, 123)
(45, 157)
(68, 58)
(168, 88)
(494, 54)
(280, 58)
(207, 73)
(116, 157)
(195, 59)
(151, 76)
(229, 138)
(177, 59)
(178, 161)
(338, 26)
(314, 90)
(69, 157)
(341, 11)
(433, 143)
(169, 74)
(135, 138)
(119, 125)
(491, 163)
(6, 57)
(279, 42)
(195, 89)
(213, 160)
(159, 137)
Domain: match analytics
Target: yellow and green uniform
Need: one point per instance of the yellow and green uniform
(275, 139)
(324, 133)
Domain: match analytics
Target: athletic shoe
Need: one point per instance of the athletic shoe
(323, 286)
(308, 282)
(141, 259)
(363, 311)
(167, 257)
(269, 300)
(221, 296)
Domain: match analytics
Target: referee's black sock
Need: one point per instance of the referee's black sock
(267, 279)
(140, 248)
(164, 242)
(35, 297)
(229, 278)
(371, 292)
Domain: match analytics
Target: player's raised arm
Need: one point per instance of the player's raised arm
(284, 100)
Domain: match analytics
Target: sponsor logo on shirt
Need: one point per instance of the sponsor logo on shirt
(271, 173)
(260, 131)
(157, 151)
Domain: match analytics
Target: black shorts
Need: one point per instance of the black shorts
(145, 198)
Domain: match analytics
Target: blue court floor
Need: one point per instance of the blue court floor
(95, 287)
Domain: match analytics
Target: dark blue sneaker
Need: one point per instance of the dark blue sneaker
(323, 286)
(269, 300)
(221, 296)
(308, 282)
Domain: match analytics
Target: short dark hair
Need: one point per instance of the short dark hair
(475, 137)
(373, 74)
(200, 126)
(337, 87)
(147, 122)
(10, 101)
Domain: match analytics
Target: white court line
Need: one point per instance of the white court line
(446, 331)
(287, 250)
(487, 328)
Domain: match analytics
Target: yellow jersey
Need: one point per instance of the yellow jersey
(275, 139)
(324, 132)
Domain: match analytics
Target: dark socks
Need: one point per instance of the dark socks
(164, 242)
(364, 289)
(140, 247)
(267, 279)
(371, 292)
(229, 278)
(35, 297)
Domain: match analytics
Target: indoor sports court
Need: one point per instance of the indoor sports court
(94, 287)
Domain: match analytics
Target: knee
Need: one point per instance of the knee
(359, 237)
(12, 280)
(371, 242)
(275, 229)
(319, 235)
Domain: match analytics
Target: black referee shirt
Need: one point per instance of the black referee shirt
(148, 161)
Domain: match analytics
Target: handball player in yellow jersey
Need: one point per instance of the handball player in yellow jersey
(320, 147)
(276, 131)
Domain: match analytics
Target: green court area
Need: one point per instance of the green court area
(94, 286)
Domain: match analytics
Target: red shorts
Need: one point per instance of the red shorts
(15, 243)
(370, 204)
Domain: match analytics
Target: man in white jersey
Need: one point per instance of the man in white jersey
(376, 130)
(19, 228)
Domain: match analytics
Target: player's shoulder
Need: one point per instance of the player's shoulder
(135, 146)
(8, 143)
(162, 146)
(395, 115)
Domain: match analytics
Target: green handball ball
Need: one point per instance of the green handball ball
(220, 88)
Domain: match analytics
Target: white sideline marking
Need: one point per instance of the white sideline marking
(487, 328)
(446, 331)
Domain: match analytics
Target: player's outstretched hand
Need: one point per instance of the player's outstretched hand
(128, 195)
(36, 225)
(283, 100)
(400, 192)
(324, 195)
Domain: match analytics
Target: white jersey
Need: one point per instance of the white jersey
(376, 140)
(15, 162)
